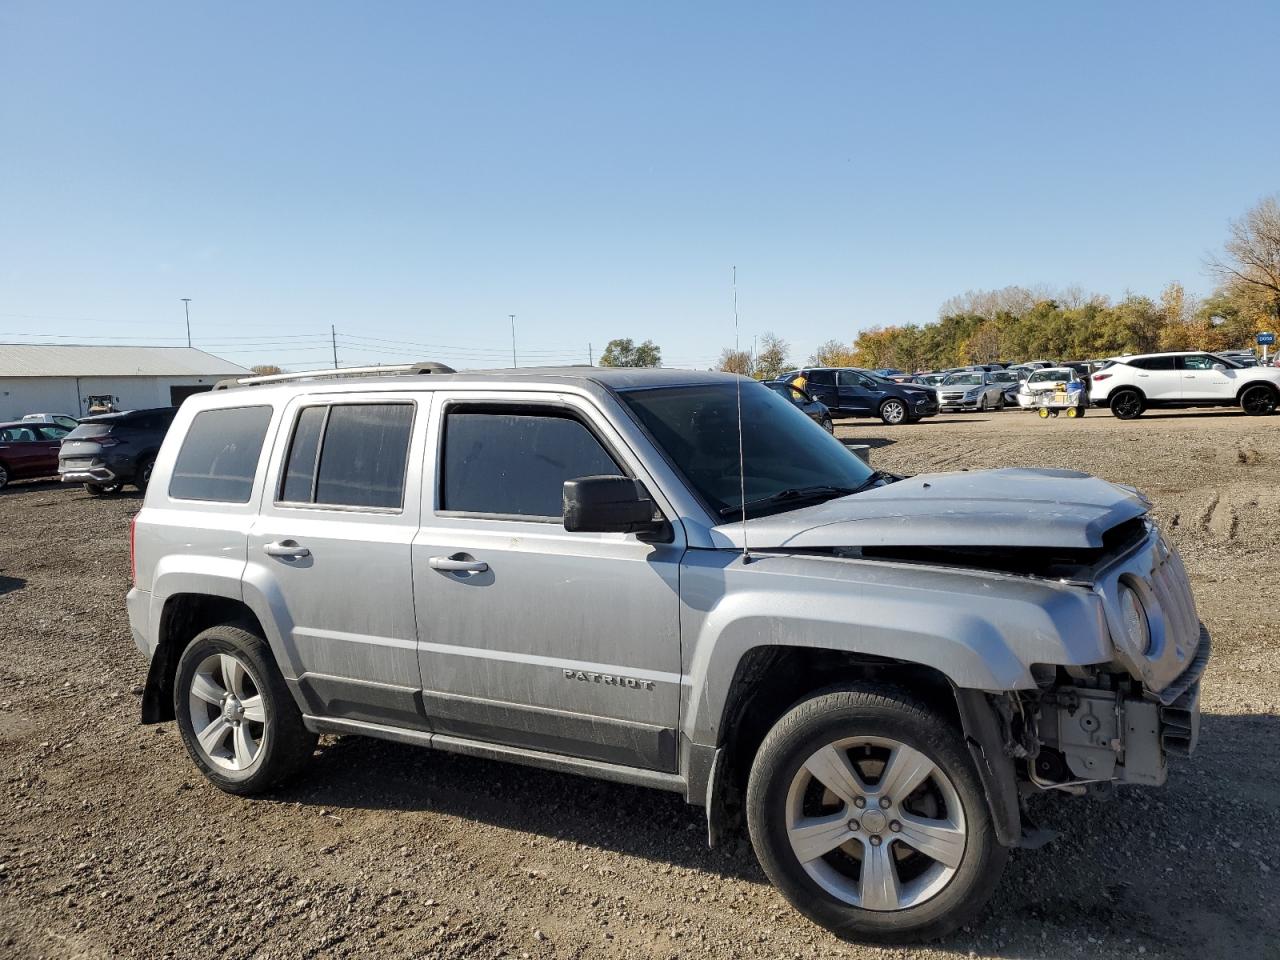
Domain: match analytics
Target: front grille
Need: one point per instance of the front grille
(952, 397)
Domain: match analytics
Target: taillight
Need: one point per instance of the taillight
(133, 552)
(1099, 377)
(107, 441)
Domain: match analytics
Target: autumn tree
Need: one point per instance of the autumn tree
(265, 370)
(1250, 263)
(625, 353)
(771, 361)
(736, 361)
(833, 353)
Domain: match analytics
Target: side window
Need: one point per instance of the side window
(52, 433)
(515, 464)
(1160, 363)
(826, 378)
(848, 378)
(219, 455)
(1198, 361)
(350, 455)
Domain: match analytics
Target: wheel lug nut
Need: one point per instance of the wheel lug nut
(859, 802)
(884, 803)
(875, 840)
(895, 826)
(853, 825)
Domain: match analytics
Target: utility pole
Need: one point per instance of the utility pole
(590, 357)
(514, 363)
(186, 309)
(333, 339)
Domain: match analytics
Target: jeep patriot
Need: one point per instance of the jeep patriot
(596, 571)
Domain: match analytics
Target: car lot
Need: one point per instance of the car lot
(111, 845)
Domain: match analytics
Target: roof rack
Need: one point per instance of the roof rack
(337, 373)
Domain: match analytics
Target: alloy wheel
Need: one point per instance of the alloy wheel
(1127, 405)
(1258, 401)
(876, 823)
(228, 715)
(893, 411)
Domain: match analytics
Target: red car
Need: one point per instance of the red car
(29, 449)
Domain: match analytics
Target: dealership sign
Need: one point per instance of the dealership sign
(1266, 339)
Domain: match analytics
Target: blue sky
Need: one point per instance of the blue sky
(414, 172)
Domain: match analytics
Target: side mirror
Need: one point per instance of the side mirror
(1220, 366)
(611, 505)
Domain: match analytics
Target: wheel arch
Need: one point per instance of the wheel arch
(1275, 390)
(183, 616)
(770, 680)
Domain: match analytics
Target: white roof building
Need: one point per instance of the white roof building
(62, 378)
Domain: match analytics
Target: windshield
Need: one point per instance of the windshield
(963, 380)
(783, 450)
(1051, 376)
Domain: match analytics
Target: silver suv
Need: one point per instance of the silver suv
(583, 570)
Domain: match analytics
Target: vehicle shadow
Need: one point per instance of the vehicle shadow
(10, 584)
(1179, 868)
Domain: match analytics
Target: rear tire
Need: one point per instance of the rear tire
(1126, 404)
(935, 871)
(250, 734)
(143, 476)
(103, 489)
(1258, 401)
(4, 476)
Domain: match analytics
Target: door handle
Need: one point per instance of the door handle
(286, 549)
(455, 564)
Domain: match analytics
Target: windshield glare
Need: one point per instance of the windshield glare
(697, 428)
(963, 380)
(1051, 376)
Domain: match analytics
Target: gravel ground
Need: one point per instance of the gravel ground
(111, 845)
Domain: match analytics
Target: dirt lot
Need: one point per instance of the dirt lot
(112, 846)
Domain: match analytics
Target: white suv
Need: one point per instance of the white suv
(1130, 385)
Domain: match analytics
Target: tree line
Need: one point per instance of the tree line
(1020, 323)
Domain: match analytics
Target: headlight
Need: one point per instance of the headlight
(974, 392)
(1134, 616)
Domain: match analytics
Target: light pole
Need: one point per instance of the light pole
(186, 309)
(513, 339)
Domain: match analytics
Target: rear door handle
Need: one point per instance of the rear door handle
(456, 565)
(286, 549)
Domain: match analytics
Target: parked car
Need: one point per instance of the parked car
(1009, 382)
(1048, 380)
(971, 390)
(854, 392)
(931, 379)
(815, 411)
(599, 571)
(104, 453)
(61, 419)
(1130, 385)
(889, 373)
(29, 449)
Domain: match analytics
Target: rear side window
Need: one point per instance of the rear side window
(219, 455)
(349, 455)
(1154, 363)
(826, 378)
(515, 464)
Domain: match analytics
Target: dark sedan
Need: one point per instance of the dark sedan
(29, 449)
(815, 411)
(854, 392)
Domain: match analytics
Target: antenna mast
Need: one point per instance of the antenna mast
(742, 459)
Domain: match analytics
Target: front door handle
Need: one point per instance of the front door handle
(286, 549)
(456, 564)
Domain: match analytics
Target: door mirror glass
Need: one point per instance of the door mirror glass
(608, 505)
(1220, 366)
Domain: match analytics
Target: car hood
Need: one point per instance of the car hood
(981, 508)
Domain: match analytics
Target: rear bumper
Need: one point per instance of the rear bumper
(96, 474)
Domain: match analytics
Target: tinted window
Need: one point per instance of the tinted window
(363, 457)
(516, 463)
(697, 428)
(826, 378)
(300, 472)
(850, 378)
(219, 455)
(1154, 363)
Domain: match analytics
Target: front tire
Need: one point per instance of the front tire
(4, 476)
(144, 474)
(1258, 401)
(236, 716)
(828, 426)
(893, 412)
(1126, 404)
(865, 811)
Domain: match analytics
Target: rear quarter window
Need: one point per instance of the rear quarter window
(219, 455)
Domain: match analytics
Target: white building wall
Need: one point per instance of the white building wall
(70, 395)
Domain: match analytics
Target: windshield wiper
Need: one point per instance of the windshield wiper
(816, 492)
(877, 477)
